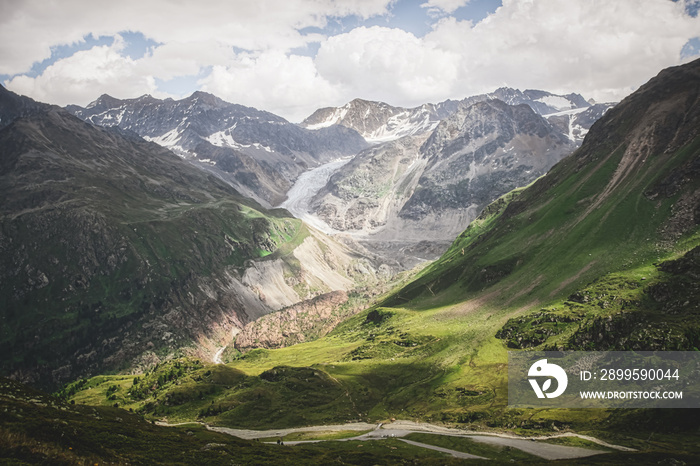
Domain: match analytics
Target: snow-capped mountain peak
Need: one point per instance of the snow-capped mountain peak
(258, 152)
(379, 122)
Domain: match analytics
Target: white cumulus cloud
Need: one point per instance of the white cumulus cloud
(596, 47)
(85, 75)
(245, 51)
(387, 64)
(289, 86)
(29, 28)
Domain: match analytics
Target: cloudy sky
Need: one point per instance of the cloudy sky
(291, 57)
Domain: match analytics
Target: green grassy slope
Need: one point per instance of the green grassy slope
(39, 429)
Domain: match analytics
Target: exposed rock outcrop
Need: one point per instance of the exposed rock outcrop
(295, 324)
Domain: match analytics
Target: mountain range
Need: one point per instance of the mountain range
(380, 122)
(433, 168)
(599, 253)
(145, 249)
(259, 153)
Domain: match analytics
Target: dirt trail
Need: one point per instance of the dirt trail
(455, 453)
(249, 434)
(399, 429)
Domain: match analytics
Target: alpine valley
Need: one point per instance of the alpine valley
(360, 276)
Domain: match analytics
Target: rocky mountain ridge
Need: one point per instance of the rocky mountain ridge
(258, 152)
(379, 122)
(296, 323)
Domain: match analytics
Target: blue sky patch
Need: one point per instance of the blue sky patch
(691, 48)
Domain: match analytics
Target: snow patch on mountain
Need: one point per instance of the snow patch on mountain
(222, 139)
(169, 140)
(379, 122)
(571, 111)
(557, 102)
(333, 119)
(403, 124)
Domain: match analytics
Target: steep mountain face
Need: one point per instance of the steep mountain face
(430, 187)
(574, 124)
(372, 187)
(571, 114)
(258, 152)
(13, 106)
(114, 251)
(482, 152)
(380, 122)
(296, 323)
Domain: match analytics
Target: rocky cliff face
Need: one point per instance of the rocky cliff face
(316, 316)
(115, 252)
(432, 186)
(373, 187)
(303, 321)
(380, 122)
(575, 124)
(258, 152)
(482, 152)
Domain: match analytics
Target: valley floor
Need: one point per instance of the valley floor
(535, 446)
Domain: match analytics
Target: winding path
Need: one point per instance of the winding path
(400, 429)
(455, 453)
